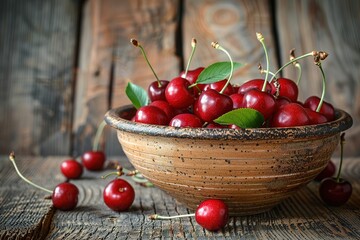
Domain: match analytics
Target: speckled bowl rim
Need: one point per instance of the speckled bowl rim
(343, 122)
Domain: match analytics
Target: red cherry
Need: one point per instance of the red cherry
(151, 115)
(65, 196)
(315, 117)
(290, 115)
(93, 160)
(328, 172)
(212, 104)
(156, 91)
(281, 101)
(254, 83)
(326, 109)
(178, 94)
(335, 193)
(212, 214)
(237, 99)
(119, 195)
(186, 120)
(71, 169)
(165, 106)
(263, 102)
(192, 75)
(285, 87)
(218, 86)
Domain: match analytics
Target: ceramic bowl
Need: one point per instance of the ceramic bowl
(252, 170)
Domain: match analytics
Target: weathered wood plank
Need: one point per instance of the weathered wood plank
(234, 25)
(108, 61)
(331, 26)
(37, 42)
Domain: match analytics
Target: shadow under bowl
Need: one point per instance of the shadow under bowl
(252, 170)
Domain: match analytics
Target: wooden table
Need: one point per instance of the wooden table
(24, 213)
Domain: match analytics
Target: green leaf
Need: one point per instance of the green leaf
(137, 95)
(216, 72)
(242, 117)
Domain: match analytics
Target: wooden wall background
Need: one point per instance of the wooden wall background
(63, 64)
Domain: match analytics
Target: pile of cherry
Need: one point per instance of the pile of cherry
(205, 97)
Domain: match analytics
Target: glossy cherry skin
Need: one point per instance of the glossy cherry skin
(165, 106)
(285, 87)
(65, 196)
(192, 75)
(119, 195)
(263, 102)
(212, 214)
(315, 117)
(326, 109)
(281, 101)
(151, 115)
(156, 92)
(218, 86)
(71, 169)
(178, 94)
(186, 120)
(290, 115)
(335, 193)
(93, 160)
(328, 172)
(237, 99)
(212, 104)
(254, 83)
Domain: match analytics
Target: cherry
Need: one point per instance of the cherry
(237, 99)
(212, 104)
(186, 120)
(192, 75)
(326, 109)
(285, 87)
(165, 106)
(261, 101)
(280, 101)
(290, 115)
(211, 214)
(315, 117)
(119, 195)
(218, 86)
(178, 94)
(336, 191)
(328, 171)
(64, 196)
(93, 160)
(254, 83)
(71, 169)
(151, 115)
(156, 90)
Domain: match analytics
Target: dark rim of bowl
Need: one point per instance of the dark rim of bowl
(115, 118)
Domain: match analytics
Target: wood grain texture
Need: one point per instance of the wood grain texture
(234, 25)
(37, 42)
(303, 216)
(331, 26)
(108, 61)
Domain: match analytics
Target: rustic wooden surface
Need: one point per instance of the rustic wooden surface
(24, 214)
(63, 76)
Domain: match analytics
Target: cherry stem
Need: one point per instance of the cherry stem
(137, 44)
(159, 217)
(261, 40)
(216, 45)
(265, 71)
(98, 135)
(193, 45)
(12, 159)
(290, 62)
(297, 65)
(342, 140)
(323, 87)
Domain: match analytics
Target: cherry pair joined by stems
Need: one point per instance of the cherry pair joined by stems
(336, 191)
(211, 214)
(64, 196)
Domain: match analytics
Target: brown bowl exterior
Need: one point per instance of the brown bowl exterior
(252, 170)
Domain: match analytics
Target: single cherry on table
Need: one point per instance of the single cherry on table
(71, 169)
